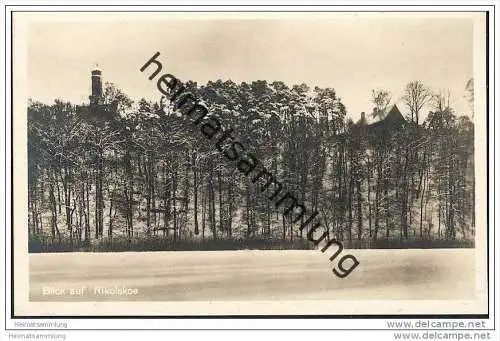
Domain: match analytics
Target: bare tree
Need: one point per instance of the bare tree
(416, 96)
(381, 98)
(441, 100)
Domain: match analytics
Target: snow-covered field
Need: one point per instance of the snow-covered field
(251, 275)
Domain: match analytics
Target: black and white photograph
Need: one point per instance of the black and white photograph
(250, 163)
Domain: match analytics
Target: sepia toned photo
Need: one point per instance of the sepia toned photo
(235, 163)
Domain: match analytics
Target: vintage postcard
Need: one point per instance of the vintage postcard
(250, 163)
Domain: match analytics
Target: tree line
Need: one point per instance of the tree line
(132, 171)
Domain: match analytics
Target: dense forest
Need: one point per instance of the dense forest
(132, 176)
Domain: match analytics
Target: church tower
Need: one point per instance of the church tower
(96, 96)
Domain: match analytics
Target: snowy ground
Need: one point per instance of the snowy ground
(252, 275)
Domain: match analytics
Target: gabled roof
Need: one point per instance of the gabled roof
(378, 131)
(394, 119)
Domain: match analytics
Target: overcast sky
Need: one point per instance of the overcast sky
(352, 53)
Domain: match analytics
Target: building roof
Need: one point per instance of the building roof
(393, 119)
(392, 122)
(96, 68)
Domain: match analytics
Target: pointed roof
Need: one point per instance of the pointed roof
(393, 120)
(395, 115)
